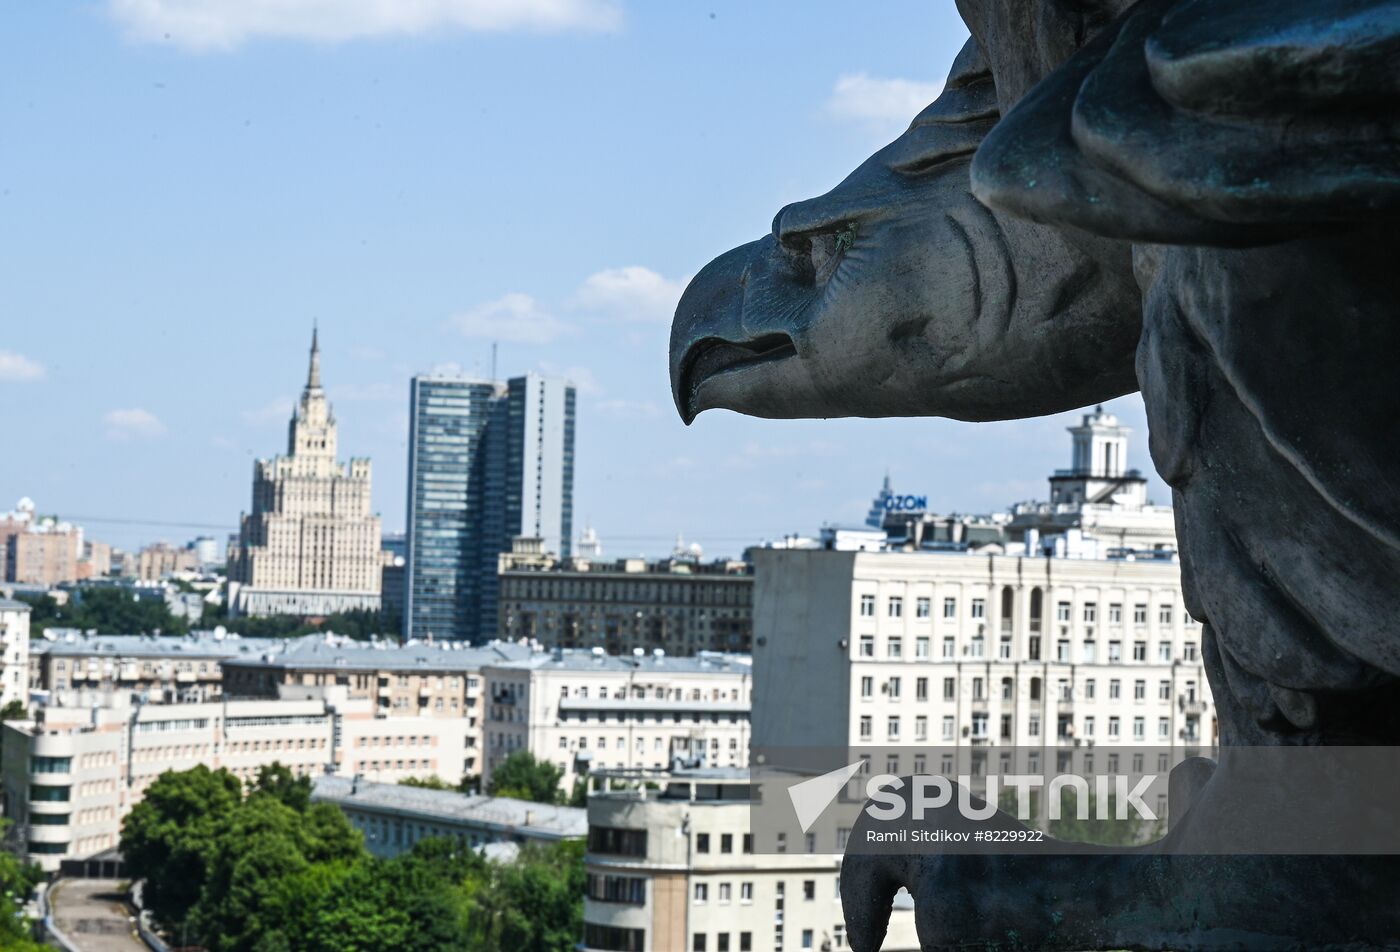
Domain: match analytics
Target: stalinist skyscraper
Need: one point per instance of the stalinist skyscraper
(310, 546)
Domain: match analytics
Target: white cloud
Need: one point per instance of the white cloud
(17, 367)
(224, 24)
(278, 410)
(583, 379)
(133, 424)
(632, 293)
(883, 105)
(515, 318)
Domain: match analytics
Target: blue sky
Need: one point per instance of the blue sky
(185, 185)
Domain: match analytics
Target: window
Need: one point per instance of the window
(1164, 728)
(1164, 651)
(1164, 615)
(950, 608)
(621, 889)
(1139, 651)
(1113, 727)
(697, 944)
(1062, 611)
(867, 728)
(1033, 725)
(867, 606)
(1164, 691)
(702, 893)
(895, 647)
(949, 648)
(809, 889)
(1089, 689)
(746, 942)
(722, 942)
(921, 689)
(702, 842)
(807, 938)
(896, 607)
(1115, 613)
(1114, 689)
(921, 647)
(1188, 651)
(1115, 652)
(1062, 650)
(921, 728)
(948, 728)
(746, 892)
(979, 608)
(893, 728)
(867, 686)
(617, 841)
(1091, 612)
(892, 687)
(1139, 728)
(921, 608)
(726, 845)
(1140, 614)
(747, 843)
(1139, 690)
(1088, 727)
(979, 689)
(867, 646)
(1091, 651)
(949, 689)
(724, 892)
(613, 937)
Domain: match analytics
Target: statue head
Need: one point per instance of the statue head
(897, 293)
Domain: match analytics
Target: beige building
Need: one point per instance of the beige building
(587, 710)
(415, 680)
(161, 669)
(157, 561)
(1055, 657)
(310, 546)
(71, 776)
(680, 605)
(670, 865)
(14, 651)
(38, 551)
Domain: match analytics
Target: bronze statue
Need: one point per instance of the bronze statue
(1197, 199)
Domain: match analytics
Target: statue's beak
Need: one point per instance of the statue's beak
(708, 336)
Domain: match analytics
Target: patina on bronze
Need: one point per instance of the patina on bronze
(1193, 198)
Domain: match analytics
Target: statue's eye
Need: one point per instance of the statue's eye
(819, 253)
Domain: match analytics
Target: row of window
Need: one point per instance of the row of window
(894, 728)
(977, 648)
(894, 608)
(893, 688)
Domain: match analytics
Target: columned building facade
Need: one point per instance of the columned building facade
(310, 545)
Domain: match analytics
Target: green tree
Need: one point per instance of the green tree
(277, 780)
(431, 782)
(17, 881)
(171, 838)
(108, 610)
(523, 777)
(534, 904)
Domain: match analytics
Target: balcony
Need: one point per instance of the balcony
(1191, 707)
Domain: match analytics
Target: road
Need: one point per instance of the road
(94, 916)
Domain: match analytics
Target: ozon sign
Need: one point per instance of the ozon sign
(894, 503)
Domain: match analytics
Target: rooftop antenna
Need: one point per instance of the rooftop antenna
(493, 360)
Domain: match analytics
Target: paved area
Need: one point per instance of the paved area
(93, 914)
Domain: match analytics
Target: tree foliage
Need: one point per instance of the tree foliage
(108, 610)
(17, 881)
(273, 872)
(524, 777)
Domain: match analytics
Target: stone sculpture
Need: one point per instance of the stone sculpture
(1197, 199)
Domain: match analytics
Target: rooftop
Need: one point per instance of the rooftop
(10, 605)
(500, 814)
(204, 644)
(322, 651)
(579, 659)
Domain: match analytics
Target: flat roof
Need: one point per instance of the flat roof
(582, 659)
(316, 651)
(13, 605)
(500, 814)
(204, 645)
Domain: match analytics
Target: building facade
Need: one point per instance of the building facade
(960, 649)
(670, 865)
(587, 710)
(488, 461)
(310, 545)
(442, 681)
(393, 817)
(14, 652)
(157, 561)
(678, 605)
(70, 777)
(40, 551)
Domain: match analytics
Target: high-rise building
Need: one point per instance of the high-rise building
(311, 544)
(487, 461)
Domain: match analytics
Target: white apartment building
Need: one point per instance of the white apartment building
(70, 776)
(394, 817)
(961, 649)
(14, 651)
(587, 710)
(670, 865)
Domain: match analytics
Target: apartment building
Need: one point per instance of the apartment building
(162, 669)
(70, 776)
(393, 817)
(587, 710)
(439, 681)
(671, 865)
(680, 605)
(956, 649)
(14, 651)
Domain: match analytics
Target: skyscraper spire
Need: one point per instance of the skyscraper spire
(313, 376)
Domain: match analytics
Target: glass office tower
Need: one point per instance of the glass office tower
(487, 461)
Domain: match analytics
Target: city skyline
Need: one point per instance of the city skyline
(270, 179)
